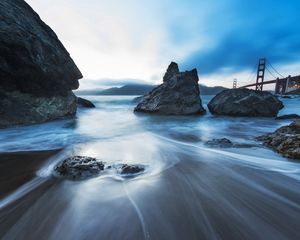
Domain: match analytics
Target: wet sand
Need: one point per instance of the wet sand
(16, 168)
(200, 197)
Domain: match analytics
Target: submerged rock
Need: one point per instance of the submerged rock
(79, 167)
(178, 95)
(36, 71)
(285, 140)
(245, 103)
(85, 103)
(222, 142)
(126, 169)
(288, 116)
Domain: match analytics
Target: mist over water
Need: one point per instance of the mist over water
(188, 191)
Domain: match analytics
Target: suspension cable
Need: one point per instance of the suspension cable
(274, 69)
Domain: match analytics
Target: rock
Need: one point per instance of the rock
(171, 71)
(285, 140)
(286, 96)
(294, 92)
(245, 103)
(126, 169)
(222, 142)
(185, 137)
(137, 99)
(288, 116)
(85, 103)
(79, 168)
(34, 65)
(178, 95)
(23, 108)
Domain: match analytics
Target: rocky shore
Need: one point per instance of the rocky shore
(285, 140)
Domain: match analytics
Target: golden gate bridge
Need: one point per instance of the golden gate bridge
(282, 84)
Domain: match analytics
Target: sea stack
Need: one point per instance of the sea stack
(245, 103)
(179, 94)
(37, 74)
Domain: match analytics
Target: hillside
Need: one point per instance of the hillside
(141, 89)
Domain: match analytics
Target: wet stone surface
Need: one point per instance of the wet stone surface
(83, 167)
(79, 167)
(222, 142)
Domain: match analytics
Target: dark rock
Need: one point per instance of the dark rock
(23, 108)
(185, 137)
(245, 103)
(85, 103)
(79, 168)
(286, 96)
(288, 116)
(294, 92)
(32, 58)
(138, 99)
(126, 169)
(33, 62)
(172, 70)
(222, 142)
(285, 140)
(178, 95)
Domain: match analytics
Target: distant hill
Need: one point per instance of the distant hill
(204, 90)
(141, 89)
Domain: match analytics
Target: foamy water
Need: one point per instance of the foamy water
(188, 191)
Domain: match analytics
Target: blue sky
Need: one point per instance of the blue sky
(135, 39)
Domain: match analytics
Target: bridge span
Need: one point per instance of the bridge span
(282, 84)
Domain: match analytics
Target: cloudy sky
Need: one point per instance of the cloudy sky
(117, 41)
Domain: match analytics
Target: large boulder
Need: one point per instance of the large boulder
(178, 95)
(33, 62)
(18, 108)
(285, 140)
(245, 103)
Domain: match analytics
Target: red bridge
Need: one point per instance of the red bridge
(282, 84)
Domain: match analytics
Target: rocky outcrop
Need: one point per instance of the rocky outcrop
(85, 103)
(285, 140)
(79, 167)
(288, 116)
(178, 95)
(126, 169)
(23, 108)
(83, 167)
(222, 143)
(245, 103)
(35, 67)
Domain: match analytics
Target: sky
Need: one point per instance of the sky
(115, 42)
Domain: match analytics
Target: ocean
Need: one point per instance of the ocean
(188, 191)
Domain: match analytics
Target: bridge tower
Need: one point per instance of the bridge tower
(234, 83)
(260, 74)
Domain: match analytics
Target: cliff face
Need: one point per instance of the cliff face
(33, 61)
(32, 58)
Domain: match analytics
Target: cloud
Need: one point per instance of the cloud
(134, 39)
(257, 29)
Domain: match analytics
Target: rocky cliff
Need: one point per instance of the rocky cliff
(34, 64)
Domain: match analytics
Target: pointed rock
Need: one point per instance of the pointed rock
(171, 71)
(178, 95)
